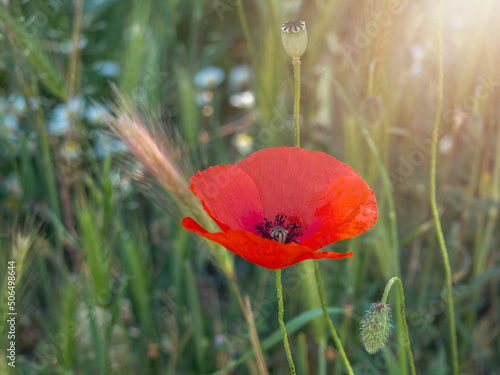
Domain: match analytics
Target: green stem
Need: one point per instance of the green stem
(403, 317)
(296, 103)
(335, 336)
(296, 107)
(282, 323)
(296, 111)
(435, 213)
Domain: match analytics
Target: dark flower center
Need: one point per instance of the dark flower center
(281, 230)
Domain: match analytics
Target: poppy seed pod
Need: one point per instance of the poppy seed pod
(294, 38)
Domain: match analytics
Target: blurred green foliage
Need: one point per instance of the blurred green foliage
(108, 281)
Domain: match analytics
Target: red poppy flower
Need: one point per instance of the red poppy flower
(280, 205)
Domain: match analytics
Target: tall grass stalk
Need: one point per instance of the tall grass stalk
(310, 300)
(45, 70)
(386, 182)
(195, 312)
(254, 337)
(331, 327)
(71, 80)
(72, 84)
(261, 363)
(37, 115)
(248, 38)
(393, 267)
(302, 362)
(264, 63)
(435, 213)
(481, 255)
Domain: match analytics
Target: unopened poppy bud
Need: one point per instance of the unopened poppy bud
(294, 38)
(376, 327)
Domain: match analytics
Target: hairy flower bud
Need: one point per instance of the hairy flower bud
(294, 38)
(376, 327)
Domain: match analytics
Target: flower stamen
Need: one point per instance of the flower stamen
(278, 230)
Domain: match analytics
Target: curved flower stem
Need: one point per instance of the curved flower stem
(333, 331)
(296, 103)
(403, 317)
(282, 323)
(435, 213)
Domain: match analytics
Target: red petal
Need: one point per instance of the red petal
(229, 196)
(346, 208)
(265, 253)
(291, 180)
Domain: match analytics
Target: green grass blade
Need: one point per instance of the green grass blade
(275, 338)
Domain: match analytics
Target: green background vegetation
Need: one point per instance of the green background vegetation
(107, 280)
